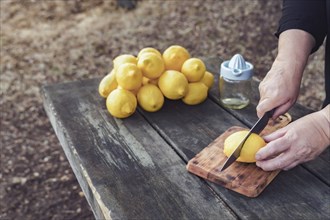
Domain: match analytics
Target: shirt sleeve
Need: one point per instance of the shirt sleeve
(306, 15)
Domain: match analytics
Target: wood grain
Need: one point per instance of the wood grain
(244, 178)
(135, 168)
(189, 129)
(125, 168)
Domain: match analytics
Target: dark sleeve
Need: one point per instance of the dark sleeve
(307, 15)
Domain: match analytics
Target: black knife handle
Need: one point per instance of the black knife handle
(262, 122)
(270, 113)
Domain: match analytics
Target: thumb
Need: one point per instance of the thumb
(263, 106)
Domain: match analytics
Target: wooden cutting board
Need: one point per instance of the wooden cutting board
(244, 178)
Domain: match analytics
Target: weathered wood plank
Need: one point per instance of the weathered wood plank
(124, 167)
(295, 194)
(190, 133)
(190, 124)
(320, 166)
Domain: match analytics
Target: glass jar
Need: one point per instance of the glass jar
(235, 82)
(234, 94)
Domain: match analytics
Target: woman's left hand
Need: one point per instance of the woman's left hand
(298, 142)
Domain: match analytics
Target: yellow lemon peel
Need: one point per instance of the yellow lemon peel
(249, 149)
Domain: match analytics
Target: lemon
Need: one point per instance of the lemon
(149, 50)
(151, 65)
(121, 103)
(250, 147)
(146, 81)
(150, 98)
(129, 76)
(197, 93)
(134, 91)
(124, 58)
(108, 84)
(174, 57)
(194, 69)
(208, 79)
(173, 84)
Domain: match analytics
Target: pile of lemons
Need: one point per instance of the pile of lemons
(150, 76)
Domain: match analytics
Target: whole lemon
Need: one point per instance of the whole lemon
(124, 58)
(121, 103)
(150, 98)
(151, 65)
(194, 69)
(149, 50)
(208, 79)
(249, 149)
(129, 76)
(197, 93)
(173, 84)
(108, 84)
(174, 56)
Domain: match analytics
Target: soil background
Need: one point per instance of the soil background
(52, 41)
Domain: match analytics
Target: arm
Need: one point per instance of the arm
(302, 29)
(280, 88)
(306, 15)
(301, 141)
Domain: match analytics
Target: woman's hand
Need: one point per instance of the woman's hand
(302, 140)
(280, 88)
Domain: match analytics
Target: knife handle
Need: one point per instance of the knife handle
(270, 113)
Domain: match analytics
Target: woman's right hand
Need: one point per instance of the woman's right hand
(280, 88)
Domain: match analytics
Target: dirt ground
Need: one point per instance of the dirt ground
(44, 42)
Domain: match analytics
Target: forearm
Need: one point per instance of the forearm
(294, 48)
(280, 87)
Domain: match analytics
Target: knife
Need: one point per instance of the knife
(257, 128)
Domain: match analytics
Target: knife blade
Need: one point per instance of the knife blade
(257, 128)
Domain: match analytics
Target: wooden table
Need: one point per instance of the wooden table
(135, 168)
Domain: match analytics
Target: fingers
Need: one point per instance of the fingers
(275, 135)
(276, 92)
(263, 106)
(264, 101)
(292, 165)
(276, 154)
(279, 153)
(268, 104)
(298, 142)
(284, 161)
(273, 148)
(281, 109)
